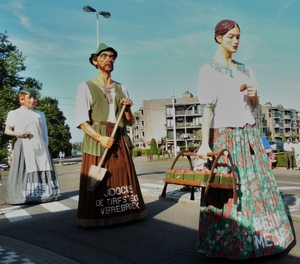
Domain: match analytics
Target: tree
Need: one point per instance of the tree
(11, 63)
(58, 132)
(11, 82)
(8, 101)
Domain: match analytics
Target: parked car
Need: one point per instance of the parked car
(4, 165)
(276, 145)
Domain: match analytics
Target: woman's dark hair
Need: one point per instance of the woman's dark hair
(223, 27)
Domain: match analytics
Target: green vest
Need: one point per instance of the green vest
(99, 112)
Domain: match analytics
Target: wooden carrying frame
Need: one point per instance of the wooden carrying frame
(210, 183)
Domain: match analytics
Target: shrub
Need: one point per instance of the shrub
(281, 160)
(136, 152)
(153, 147)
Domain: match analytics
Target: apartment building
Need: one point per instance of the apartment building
(156, 120)
(277, 121)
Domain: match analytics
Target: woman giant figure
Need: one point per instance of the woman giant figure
(258, 224)
(32, 176)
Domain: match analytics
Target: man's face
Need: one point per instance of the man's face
(105, 61)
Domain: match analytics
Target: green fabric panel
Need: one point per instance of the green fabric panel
(99, 112)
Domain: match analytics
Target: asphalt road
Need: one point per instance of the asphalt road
(49, 232)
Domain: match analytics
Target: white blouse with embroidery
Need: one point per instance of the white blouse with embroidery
(220, 86)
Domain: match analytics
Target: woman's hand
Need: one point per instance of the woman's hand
(203, 150)
(25, 135)
(252, 93)
(251, 90)
(9, 130)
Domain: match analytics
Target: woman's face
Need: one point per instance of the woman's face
(230, 41)
(28, 101)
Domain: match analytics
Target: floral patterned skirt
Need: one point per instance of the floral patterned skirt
(258, 224)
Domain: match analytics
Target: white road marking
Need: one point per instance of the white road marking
(289, 188)
(153, 185)
(284, 182)
(15, 213)
(76, 197)
(55, 207)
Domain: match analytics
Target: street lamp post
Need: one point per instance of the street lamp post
(174, 125)
(102, 13)
(186, 148)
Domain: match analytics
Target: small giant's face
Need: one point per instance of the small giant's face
(230, 41)
(28, 101)
(105, 61)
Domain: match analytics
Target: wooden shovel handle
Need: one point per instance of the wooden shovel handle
(112, 134)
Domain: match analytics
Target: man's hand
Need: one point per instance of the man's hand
(128, 114)
(127, 102)
(106, 142)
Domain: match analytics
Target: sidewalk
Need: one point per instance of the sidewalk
(19, 252)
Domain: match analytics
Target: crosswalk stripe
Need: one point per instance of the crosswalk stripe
(76, 197)
(153, 185)
(15, 213)
(284, 182)
(55, 207)
(289, 188)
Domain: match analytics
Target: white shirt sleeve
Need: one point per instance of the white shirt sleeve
(124, 90)
(83, 104)
(11, 118)
(206, 85)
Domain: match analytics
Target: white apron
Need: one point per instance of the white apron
(35, 148)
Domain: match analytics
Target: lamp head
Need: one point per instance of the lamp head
(105, 14)
(88, 9)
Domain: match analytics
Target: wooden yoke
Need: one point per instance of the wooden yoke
(212, 184)
(207, 180)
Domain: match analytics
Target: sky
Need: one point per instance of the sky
(161, 45)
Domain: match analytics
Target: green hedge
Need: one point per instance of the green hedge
(281, 160)
(136, 152)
